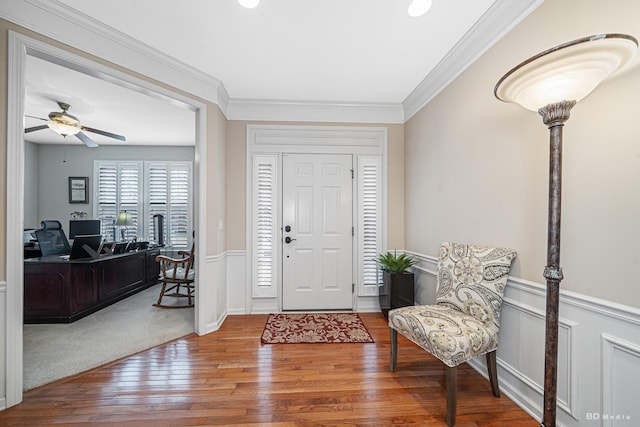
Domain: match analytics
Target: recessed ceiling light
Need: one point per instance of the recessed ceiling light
(419, 7)
(249, 4)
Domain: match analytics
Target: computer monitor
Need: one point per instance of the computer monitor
(84, 227)
(78, 249)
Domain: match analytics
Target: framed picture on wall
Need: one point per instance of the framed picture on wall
(78, 189)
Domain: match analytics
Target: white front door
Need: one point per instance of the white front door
(317, 232)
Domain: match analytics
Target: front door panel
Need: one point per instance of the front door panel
(317, 250)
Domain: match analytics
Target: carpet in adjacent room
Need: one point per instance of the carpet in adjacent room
(55, 351)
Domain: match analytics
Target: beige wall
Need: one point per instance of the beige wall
(216, 180)
(215, 143)
(236, 179)
(477, 168)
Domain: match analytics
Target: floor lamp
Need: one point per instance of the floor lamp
(551, 83)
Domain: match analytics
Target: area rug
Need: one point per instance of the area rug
(315, 328)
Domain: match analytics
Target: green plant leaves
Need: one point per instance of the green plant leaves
(392, 263)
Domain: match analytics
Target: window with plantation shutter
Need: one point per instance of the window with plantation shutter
(265, 228)
(369, 224)
(168, 185)
(118, 188)
(157, 188)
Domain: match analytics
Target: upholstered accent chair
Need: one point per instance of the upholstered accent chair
(465, 320)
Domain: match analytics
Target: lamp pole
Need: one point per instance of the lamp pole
(554, 116)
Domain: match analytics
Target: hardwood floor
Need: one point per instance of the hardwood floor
(228, 378)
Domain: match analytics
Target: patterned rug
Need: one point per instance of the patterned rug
(315, 328)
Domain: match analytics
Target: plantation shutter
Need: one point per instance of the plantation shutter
(369, 224)
(117, 188)
(164, 188)
(179, 205)
(264, 230)
(157, 190)
(106, 182)
(130, 196)
(169, 192)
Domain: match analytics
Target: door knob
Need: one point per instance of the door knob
(288, 239)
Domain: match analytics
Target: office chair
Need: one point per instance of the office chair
(51, 239)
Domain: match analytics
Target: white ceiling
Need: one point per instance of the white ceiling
(98, 104)
(332, 51)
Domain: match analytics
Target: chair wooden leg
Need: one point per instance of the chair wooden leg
(393, 336)
(164, 286)
(492, 370)
(452, 397)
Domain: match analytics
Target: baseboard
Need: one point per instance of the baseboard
(214, 326)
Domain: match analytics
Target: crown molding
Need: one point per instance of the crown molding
(308, 111)
(501, 17)
(57, 21)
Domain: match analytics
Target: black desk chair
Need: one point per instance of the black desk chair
(51, 239)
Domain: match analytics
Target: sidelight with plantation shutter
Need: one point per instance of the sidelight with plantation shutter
(369, 223)
(145, 189)
(265, 233)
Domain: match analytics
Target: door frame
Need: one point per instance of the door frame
(19, 47)
(274, 140)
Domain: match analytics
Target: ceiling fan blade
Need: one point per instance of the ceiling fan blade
(34, 117)
(35, 128)
(105, 133)
(86, 140)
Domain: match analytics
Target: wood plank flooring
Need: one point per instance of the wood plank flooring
(228, 378)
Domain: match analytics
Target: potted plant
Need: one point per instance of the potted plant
(397, 282)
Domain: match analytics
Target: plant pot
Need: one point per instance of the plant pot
(397, 290)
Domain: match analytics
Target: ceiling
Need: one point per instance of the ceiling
(140, 117)
(332, 51)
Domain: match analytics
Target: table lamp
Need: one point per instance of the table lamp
(123, 221)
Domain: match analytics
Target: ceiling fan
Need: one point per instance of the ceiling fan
(65, 124)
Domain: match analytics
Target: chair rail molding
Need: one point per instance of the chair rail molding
(596, 385)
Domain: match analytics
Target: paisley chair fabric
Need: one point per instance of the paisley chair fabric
(465, 321)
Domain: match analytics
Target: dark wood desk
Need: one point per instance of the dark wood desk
(58, 290)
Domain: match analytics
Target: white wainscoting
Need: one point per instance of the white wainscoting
(598, 352)
(3, 344)
(213, 292)
(236, 282)
(239, 295)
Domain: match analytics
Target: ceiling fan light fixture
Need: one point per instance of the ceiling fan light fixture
(418, 8)
(63, 129)
(249, 4)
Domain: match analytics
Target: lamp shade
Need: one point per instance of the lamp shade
(567, 72)
(124, 219)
